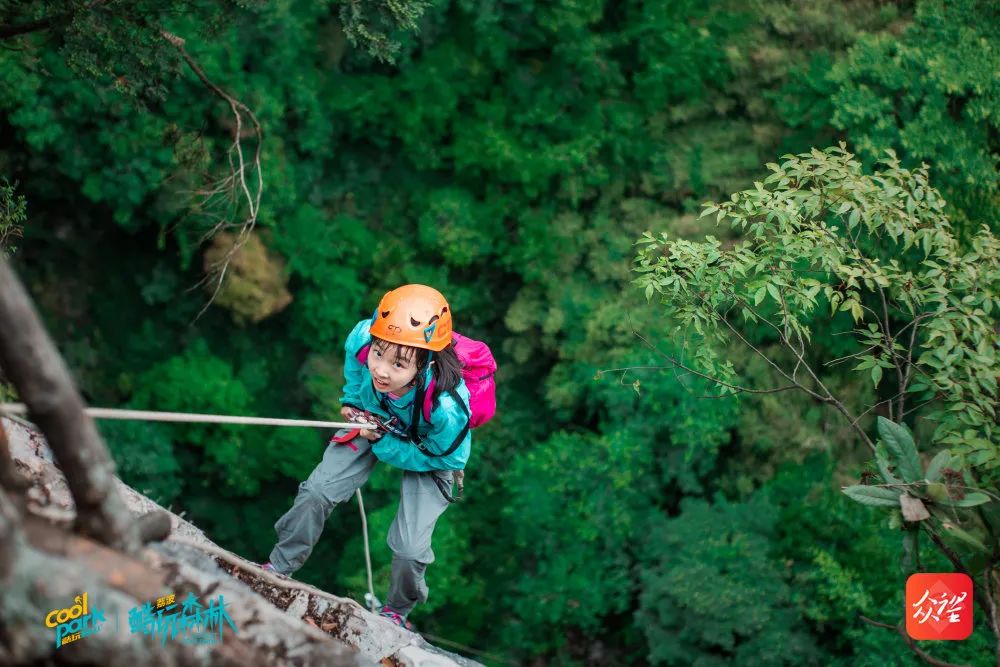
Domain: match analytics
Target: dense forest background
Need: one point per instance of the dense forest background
(510, 154)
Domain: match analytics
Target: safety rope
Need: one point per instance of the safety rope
(146, 415)
(373, 602)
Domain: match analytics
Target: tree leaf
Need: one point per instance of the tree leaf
(853, 219)
(964, 536)
(971, 500)
(882, 461)
(937, 464)
(876, 496)
(900, 445)
(938, 492)
(857, 312)
(913, 508)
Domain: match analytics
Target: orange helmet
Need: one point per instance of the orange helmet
(414, 315)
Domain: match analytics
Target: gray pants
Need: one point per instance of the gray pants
(335, 480)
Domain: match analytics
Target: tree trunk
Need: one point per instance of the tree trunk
(30, 359)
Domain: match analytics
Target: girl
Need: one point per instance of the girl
(390, 362)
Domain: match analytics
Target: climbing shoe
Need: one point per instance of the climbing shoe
(394, 616)
(267, 567)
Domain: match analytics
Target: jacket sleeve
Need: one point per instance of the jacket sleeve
(353, 371)
(448, 422)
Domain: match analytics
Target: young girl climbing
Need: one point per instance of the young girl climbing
(392, 361)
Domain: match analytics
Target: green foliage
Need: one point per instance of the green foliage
(818, 223)
(712, 594)
(121, 42)
(145, 458)
(572, 520)
(932, 93)
(839, 564)
(919, 499)
(371, 22)
(13, 214)
(231, 460)
(510, 157)
(899, 444)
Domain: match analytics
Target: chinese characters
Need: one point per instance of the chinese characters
(194, 623)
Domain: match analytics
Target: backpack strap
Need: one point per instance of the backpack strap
(362, 354)
(461, 434)
(429, 399)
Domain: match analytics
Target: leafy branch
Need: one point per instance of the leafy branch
(880, 248)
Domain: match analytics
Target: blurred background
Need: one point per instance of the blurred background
(509, 153)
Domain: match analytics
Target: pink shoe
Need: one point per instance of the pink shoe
(393, 616)
(267, 567)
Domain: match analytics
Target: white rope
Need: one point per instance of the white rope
(372, 600)
(145, 415)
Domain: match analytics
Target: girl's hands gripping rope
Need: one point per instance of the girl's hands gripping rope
(355, 415)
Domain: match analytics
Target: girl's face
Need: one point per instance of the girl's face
(392, 366)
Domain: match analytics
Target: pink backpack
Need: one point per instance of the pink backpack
(478, 369)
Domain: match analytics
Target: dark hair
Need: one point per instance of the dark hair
(447, 367)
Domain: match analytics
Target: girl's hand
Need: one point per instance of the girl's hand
(355, 415)
(370, 436)
(351, 414)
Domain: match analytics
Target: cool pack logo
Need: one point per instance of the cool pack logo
(939, 606)
(76, 622)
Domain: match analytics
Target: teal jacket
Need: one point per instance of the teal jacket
(448, 419)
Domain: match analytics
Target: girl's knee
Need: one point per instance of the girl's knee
(313, 496)
(410, 548)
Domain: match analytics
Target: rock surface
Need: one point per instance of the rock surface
(284, 621)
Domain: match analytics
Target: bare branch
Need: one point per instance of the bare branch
(945, 549)
(886, 332)
(937, 397)
(677, 364)
(829, 398)
(858, 418)
(235, 186)
(856, 355)
(780, 370)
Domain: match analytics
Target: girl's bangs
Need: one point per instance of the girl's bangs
(403, 353)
